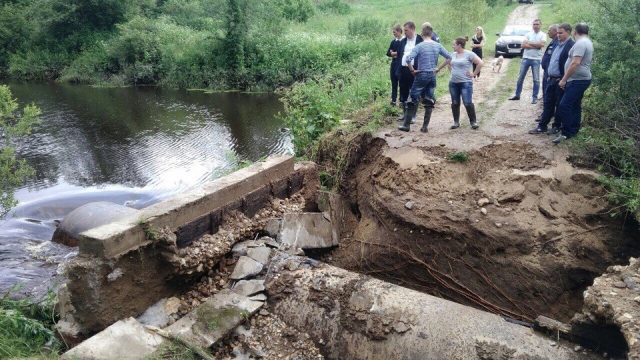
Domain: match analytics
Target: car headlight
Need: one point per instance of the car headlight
(501, 42)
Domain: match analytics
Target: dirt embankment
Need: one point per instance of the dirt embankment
(514, 230)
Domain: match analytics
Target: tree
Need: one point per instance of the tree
(12, 125)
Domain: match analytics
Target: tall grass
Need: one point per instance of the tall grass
(26, 327)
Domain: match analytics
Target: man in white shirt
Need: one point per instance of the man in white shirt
(532, 44)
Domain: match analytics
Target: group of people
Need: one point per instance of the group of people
(566, 74)
(566, 65)
(414, 69)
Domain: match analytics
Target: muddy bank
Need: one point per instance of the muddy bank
(509, 231)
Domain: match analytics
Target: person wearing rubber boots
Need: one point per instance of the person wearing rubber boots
(424, 85)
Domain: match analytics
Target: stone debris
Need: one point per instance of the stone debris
(260, 254)
(248, 287)
(246, 267)
(482, 202)
(409, 205)
(161, 314)
(272, 227)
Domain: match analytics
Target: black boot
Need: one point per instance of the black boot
(427, 117)
(455, 109)
(409, 114)
(404, 111)
(471, 111)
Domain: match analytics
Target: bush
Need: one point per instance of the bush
(368, 27)
(334, 6)
(297, 10)
(12, 125)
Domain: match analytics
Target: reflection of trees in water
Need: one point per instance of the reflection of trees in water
(131, 136)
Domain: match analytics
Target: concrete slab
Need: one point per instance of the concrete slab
(260, 254)
(307, 231)
(273, 227)
(127, 233)
(214, 319)
(334, 205)
(125, 339)
(245, 267)
(248, 287)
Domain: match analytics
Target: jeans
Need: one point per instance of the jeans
(393, 74)
(569, 110)
(535, 72)
(424, 86)
(552, 96)
(461, 89)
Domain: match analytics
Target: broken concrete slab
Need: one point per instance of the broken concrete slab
(214, 319)
(248, 287)
(260, 254)
(241, 248)
(307, 231)
(259, 297)
(160, 314)
(273, 227)
(125, 339)
(245, 267)
(270, 242)
(334, 205)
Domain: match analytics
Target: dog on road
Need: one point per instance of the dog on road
(497, 63)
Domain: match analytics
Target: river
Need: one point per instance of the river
(131, 146)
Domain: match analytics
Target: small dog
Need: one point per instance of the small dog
(497, 63)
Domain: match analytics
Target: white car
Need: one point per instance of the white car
(510, 41)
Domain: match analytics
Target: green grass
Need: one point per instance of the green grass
(26, 327)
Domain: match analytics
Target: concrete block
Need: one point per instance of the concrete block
(125, 339)
(214, 319)
(87, 217)
(245, 267)
(248, 287)
(334, 205)
(260, 254)
(273, 227)
(307, 231)
(127, 233)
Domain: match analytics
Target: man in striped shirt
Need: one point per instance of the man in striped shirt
(424, 85)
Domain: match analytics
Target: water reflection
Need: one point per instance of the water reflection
(132, 146)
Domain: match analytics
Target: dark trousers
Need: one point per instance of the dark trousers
(406, 81)
(570, 107)
(544, 83)
(393, 74)
(551, 98)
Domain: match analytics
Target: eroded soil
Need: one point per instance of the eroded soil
(514, 230)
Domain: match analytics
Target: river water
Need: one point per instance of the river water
(130, 146)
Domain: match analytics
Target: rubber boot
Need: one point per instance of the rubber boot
(455, 109)
(427, 117)
(471, 111)
(412, 108)
(404, 111)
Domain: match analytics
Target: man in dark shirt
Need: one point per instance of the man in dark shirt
(392, 52)
(546, 57)
(553, 74)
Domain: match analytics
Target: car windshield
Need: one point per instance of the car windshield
(511, 31)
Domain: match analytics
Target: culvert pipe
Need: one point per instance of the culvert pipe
(354, 316)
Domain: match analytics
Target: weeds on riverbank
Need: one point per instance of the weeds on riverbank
(26, 327)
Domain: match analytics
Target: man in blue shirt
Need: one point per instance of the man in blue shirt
(555, 71)
(424, 85)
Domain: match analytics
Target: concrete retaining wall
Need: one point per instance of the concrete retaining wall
(120, 271)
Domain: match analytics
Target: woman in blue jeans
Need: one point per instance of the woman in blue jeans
(461, 83)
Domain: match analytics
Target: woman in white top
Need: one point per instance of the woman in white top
(461, 83)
